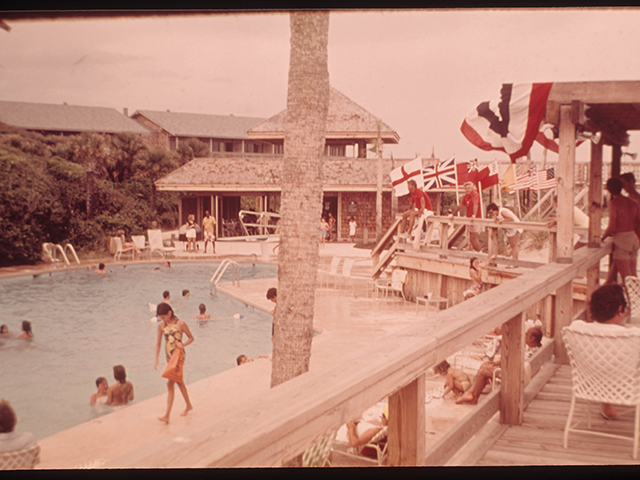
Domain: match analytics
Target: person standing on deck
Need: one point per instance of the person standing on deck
(501, 214)
(208, 226)
(624, 225)
(420, 202)
(471, 201)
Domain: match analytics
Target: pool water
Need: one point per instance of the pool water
(85, 323)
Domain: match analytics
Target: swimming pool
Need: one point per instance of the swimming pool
(85, 323)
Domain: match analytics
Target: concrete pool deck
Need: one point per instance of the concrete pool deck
(346, 319)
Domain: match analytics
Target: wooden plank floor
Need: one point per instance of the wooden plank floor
(538, 441)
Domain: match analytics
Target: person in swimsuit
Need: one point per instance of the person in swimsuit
(457, 381)
(121, 392)
(27, 332)
(172, 328)
(100, 398)
(191, 233)
(475, 272)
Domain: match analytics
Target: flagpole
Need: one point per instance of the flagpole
(455, 164)
(499, 184)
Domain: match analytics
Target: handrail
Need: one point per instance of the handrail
(73, 250)
(235, 274)
(277, 425)
(260, 216)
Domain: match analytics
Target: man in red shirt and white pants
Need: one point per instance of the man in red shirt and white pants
(419, 202)
(471, 201)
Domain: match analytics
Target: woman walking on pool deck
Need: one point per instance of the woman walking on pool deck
(172, 328)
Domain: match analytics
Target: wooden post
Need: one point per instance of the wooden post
(512, 376)
(407, 425)
(492, 239)
(552, 247)
(565, 176)
(595, 213)
(444, 239)
(564, 312)
(616, 160)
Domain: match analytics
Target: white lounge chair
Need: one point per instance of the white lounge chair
(605, 368)
(155, 243)
(120, 249)
(23, 459)
(141, 243)
(317, 454)
(331, 273)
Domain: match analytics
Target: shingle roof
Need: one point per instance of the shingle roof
(345, 119)
(244, 173)
(201, 125)
(67, 118)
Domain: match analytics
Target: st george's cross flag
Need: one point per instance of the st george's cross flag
(441, 175)
(511, 124)
(409, 171)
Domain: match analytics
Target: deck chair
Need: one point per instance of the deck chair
(140, 243)
(120, 249)
(317, 454)
(331, 273)
(155, 243)
(398, 279)
(378, 444)
(633, 292)
(605, 367)
(23, 459)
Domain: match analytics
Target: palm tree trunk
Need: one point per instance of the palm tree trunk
(307, 107)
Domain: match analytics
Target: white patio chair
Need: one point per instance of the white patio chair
(23, 459)
(120, 249)
(633, 292)
(378, 443)
(141, 244)
(398, 279)
(155, 243)
(605, 367)
(331, 273)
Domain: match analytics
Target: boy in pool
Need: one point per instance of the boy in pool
(202, 316)
(100, 269)
(121, 392)
(100, 398)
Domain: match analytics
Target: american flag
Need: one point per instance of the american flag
(440, 175)
(536, 180)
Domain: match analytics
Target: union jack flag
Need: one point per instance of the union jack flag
(440, 175)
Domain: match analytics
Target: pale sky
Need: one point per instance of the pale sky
(420, 71)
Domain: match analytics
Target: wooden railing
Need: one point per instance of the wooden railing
(281, 424)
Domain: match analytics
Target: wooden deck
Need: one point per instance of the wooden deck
(538, 441)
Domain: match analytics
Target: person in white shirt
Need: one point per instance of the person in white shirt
(11, 441)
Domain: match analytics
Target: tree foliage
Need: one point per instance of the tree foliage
(44, 198)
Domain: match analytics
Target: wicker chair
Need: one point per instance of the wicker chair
(605, 367)
(23, 459)
(633, 292)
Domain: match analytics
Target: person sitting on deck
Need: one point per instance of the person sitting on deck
(532, 339)
(475, 272)
(608, 307)
(457, 381)
(121, 392)
(11, 441)
(420, 202)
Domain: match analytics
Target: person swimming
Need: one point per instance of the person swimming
(100, 398)
(27, 332)
(121, 392)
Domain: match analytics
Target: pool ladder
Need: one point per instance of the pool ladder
(235, 277)
(51, 250)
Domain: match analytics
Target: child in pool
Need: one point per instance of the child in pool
(100, 398)
(27, 332)
(457, 381)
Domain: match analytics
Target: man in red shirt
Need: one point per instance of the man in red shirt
(419, 201)
(471, 201)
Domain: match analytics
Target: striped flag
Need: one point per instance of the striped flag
(536, 180)
(440, 175)
(512, 124)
